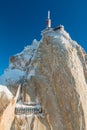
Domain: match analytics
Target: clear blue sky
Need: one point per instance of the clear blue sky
(22, 20)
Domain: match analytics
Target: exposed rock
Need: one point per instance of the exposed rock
(5, 96)
(55, 77)
(3, 102)
(8, 114)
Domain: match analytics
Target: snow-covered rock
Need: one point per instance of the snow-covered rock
(11, 76)
(55, 72)
(19, 64)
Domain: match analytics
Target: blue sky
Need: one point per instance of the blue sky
(21, 21)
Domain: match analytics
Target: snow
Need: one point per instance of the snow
(31, 73)
(20, 105)
(27, 57)
(35, 44)
(56, 34)
(29, 48)
(30, 104)
(16, 68)
(11, 75)
(24, 59)
(59, 36)
(24, 115)
(7, 92)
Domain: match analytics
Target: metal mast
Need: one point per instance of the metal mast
(48, 22)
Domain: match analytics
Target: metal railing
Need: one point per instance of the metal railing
(28, 110)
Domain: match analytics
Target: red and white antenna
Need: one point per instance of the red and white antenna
(48, 22)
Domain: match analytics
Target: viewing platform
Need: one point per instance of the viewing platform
(28, 109)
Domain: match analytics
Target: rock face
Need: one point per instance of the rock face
(5, 96)
(8, 114)
(55, 76)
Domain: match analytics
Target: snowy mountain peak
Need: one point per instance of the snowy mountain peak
(52, 72)
(55, 32)
(20, 65)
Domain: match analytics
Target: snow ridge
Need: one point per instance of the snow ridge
(18, 64)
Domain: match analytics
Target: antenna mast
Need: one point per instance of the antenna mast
(48, 22)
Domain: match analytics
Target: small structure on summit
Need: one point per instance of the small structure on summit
(48, 22)
(58, 27)
(48, 25)
(48, 28)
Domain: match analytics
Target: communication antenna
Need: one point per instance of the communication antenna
(48, 22)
